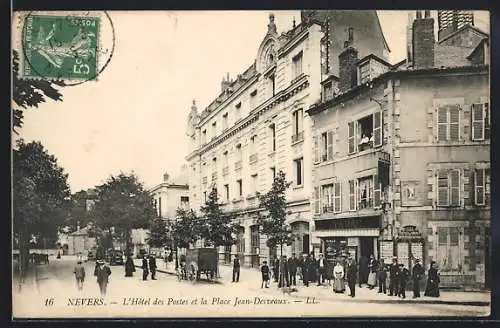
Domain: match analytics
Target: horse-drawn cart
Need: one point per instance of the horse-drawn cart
(202, 261)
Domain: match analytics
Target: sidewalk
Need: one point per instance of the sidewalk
(252, 279)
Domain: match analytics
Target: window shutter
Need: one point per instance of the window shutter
(377, 129)
(329, 143)
(352, 195)
(487, 126)
(477, 122)
(351, 137)
(442, 199)
(316, 149)
(316, 201)
(337, 203)
(479, 187)
(442, 123)
(454, 122)
(455, 187)
(376, 191)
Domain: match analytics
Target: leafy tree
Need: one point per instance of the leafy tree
(29, 93)
(217, 228)
(40, 195)
(158, 233)
(272, 220)
(78, 214)
(185, 229)
(121, 205)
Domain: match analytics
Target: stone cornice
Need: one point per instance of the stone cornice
(297, 85)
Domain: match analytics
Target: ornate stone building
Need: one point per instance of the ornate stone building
(257, 126)
(402, 160)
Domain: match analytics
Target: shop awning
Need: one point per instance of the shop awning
(348, 215)
(368, 232)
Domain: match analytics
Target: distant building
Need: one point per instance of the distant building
(402, 153)
(80, 242)
(168, 196)
(171, 194)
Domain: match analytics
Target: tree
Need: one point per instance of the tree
(272, 220)
(40, 195)
(121, 205)
(185, 229)
(29, 93)
(77, 211)
(217, 228)
(158, 233)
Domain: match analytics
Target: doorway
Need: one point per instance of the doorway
(366, 247)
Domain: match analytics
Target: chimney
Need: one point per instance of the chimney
(409, 35)
(226, 82)
(166, 177)
(423, 41)
(348, 71)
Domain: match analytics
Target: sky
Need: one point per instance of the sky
(134, 118)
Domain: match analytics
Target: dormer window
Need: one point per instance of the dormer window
(327, 91)
(364, 73)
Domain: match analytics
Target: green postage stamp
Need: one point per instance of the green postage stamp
(61, 47)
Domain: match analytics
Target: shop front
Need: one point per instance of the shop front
(355, 237)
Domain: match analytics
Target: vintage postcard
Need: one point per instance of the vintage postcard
(302, 163)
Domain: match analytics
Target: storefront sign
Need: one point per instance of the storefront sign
(386, 250)
(348, 223)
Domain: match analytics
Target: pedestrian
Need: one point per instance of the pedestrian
(382, 277)
(417, 274)
(321, 269)
(79, 272)
(283, 273)
(129, 267)
(145, 270)
(102, 273)
(152, 266)
(372, 276)
(293, 264)
(394, 277)
(276, 269)
(311, 268)
(338, 276)
(264, 269)
(351, 275)
(403, 279)
(363, 270)
(432, 287)
(236, 268)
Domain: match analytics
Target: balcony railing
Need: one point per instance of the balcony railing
(298, 137)
(214, 176)
(365, 203)
(328, 208)
(225, 170)
(253, 158)
(204, 180)
(237, 165)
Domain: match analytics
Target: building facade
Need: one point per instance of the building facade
(402, 155)
(257, 126)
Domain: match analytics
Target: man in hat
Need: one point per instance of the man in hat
(394, 272)
(321, 263)
(417, 274)
(145, 268)
(102, 272)
(79, 272)
(293, 263)
(351, 275)
(152, 266)
(236, 268)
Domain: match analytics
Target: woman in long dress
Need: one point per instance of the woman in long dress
(372, 276)
(432, 287)
(338, 276)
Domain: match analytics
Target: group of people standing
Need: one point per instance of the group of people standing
(101, 272)
(391, 279)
